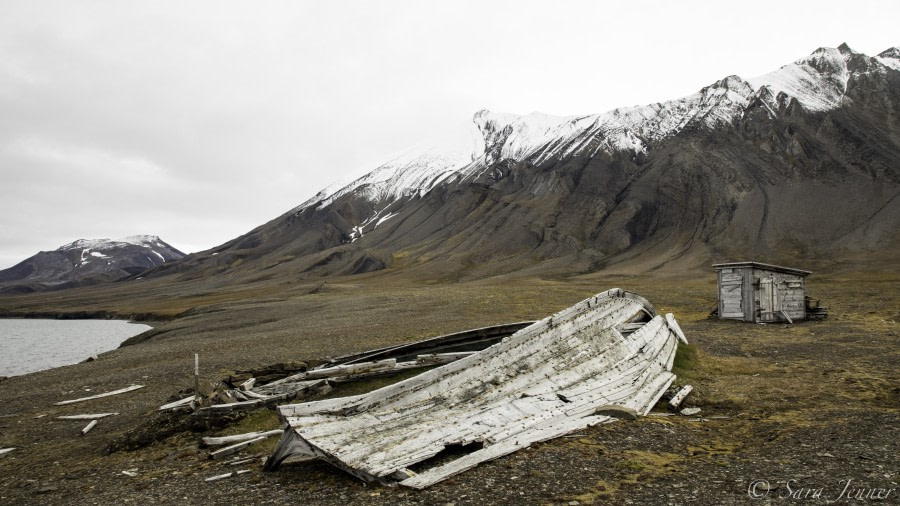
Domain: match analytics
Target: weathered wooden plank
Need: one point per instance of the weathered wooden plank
(248, 385)
(674, 327)
(229, 450)
(219, 477)
(89, 427)
(221, 440)
(178, 404)
(676, 401)
(95, 416)
(98, 396)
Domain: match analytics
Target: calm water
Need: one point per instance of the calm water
(34, 345)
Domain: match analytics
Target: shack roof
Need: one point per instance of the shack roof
(759, 265)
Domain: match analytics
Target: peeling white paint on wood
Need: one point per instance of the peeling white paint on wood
(544, 381)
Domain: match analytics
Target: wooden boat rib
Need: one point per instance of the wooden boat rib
(544, 381)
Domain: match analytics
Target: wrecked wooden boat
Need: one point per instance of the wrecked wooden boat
(606, 355)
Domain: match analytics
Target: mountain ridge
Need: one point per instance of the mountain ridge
(754, 152)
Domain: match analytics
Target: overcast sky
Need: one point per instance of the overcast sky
(197, 121)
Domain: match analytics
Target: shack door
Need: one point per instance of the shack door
(769, 303)
(731, 303)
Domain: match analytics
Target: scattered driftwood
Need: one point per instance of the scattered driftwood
(676, 401)
(95, 416)
(228, 450)
(4, 451)
(224, 440)
(546, 380)
(98, 396)
(89, 427)
(292, 392)
(130, 473)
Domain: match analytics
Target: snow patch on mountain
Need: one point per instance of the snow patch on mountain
(413, 173)
(106, 244)
(818, 81)
(539, 137)
(890, 58)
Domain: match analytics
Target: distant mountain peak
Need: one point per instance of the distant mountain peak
(87, 261)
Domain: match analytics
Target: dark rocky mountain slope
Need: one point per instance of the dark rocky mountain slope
(800, 164)
(87, 262)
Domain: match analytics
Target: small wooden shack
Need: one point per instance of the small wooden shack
(757, 292)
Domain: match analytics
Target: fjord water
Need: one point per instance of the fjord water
(35, 345)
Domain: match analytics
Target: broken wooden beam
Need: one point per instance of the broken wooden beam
(95, 416)
(237, 438)
(98, 396)
(228, 450)
(678, 398)
(219, 477)
(89, 427)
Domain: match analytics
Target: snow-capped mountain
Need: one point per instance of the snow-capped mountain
(818, 83)
(739, 169)
(88, 261)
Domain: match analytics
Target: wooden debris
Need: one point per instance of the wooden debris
(178, 404)
(545, 381)
(228, 450)
(676, 401)
(98, 396)
(240, 462)
(690, 411)
(4, 451)
(224, 440)
(248, 385)
(130, 473)
(219, 477)
(95, 416)
(89, 427)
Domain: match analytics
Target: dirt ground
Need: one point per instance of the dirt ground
(803, 412)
